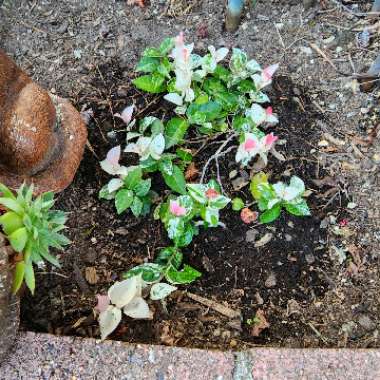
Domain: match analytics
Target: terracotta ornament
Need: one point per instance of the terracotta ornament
(42, 136)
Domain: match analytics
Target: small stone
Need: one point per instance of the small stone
(251, 235)
(288, 237)
(264, 240)
(366, 322)
(309, 257)
(271, 280)
(259, 299)
(232, 174)
(239, 183)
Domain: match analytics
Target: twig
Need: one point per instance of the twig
(217, 154)
(220, 308)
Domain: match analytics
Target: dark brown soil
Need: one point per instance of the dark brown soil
(234, 271)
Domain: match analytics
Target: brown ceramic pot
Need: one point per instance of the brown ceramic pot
(42, 136)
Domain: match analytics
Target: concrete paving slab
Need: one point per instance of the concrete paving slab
(44, 356)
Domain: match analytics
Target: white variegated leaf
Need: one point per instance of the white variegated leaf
(121, 293)
(109, 320)
(174, 98)
(161, 290)
(138, 309)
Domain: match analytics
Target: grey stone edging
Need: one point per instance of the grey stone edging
(44, 356)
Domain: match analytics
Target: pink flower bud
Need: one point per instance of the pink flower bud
(176, 209)
(269, 111)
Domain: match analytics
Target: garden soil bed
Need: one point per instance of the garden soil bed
(279, 278)
(318, 287)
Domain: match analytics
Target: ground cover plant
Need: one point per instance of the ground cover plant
(209, 98)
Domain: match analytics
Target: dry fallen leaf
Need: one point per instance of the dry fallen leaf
(191, 172)
(140, 3)
(248, 216)
(91, 275)
(264, 240)
(260, 323)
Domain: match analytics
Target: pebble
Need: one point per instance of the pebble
(309, 257)
(239, 183)
(271, 280)
(288, 237)
(259, 299)
(251, 235)
(366, 322)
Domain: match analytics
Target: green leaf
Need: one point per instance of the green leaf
(228, 100)
(176, 181)
(123, 200)
(202, 113)
(298, 209)
(18, 239)
(105, 194)
(185, 276)
(18, 276)
(186, 237)
(154, 83)
(29, 277)
(164, 68)
(152, 52)
(166, 45)
(258, 179)
(137, 206)
(272, 214)
(219, 202)
(147, 64)
(169, 256)
(10, 222)
(165, 165)
(143, 187)
(246, 86)
(184, 154)
(175, 131)
(213, 86)
(198, 192)
(150, 272)
(222, 73)
(12, 204)
(133, 178)
(237, 204)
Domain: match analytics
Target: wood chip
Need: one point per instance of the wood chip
(218, 307)
(264, 240)
(91, 275)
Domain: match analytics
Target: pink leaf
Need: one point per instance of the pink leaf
(113, 156)
(211, 194)
(176, 209)
(269, 111)
(103, 302)
(126, 115)
(269, 140)
(249, 144)
(269, 71)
